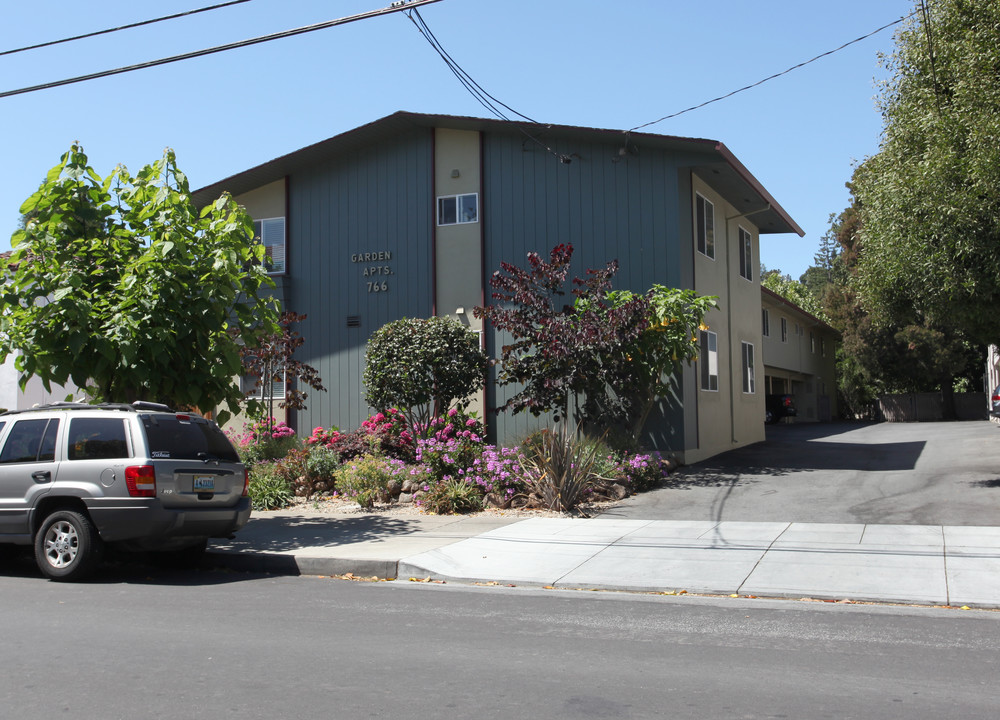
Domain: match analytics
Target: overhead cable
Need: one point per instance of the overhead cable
(123, 27)
(776, 75)
(476, 90)
(395, 7)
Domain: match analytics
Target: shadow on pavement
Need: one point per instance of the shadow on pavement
(287, 534)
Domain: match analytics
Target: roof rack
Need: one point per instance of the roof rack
(122, 407)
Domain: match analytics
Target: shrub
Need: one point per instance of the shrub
(269, 488)
(559, 468)
(366, 479)
(643, 472)
(381, 434)
(453, 495)
(321, 464)
(422, 367)
(265, 440)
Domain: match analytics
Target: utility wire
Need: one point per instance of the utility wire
(123, 27)
(476, 90)
(398, 6)
(776, 75)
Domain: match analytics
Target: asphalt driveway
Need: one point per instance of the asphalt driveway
(887, 473)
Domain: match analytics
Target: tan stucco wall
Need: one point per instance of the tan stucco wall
(728, 418)
(267, 201)
(458, 248)
(805, 360)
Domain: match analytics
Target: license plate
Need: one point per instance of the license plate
(204, 483)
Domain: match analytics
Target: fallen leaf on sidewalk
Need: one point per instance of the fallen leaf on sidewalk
(428, 580)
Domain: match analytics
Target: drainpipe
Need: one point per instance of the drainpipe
(729, 319)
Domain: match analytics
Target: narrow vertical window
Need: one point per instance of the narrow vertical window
(749, 382)
(271, 234)
(709, 361)
(784, 330)
(705, 226)
(746, 255)
(765, 322)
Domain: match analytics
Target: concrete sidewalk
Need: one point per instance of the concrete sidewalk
(914, 564)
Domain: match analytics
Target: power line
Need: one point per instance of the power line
(398, 6)
(776, 75)
(123, 27)
(476, 90)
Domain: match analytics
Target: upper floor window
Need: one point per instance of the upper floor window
(765, 322)
(705, 226)
(271, 234)
(784, 330)
(746, 255)
(458, 209)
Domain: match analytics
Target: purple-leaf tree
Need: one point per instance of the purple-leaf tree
(559, 347)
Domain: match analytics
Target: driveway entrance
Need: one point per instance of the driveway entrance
(889, 473)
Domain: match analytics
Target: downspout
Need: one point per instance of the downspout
(729, 319)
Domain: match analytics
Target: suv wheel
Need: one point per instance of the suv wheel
(67, 546)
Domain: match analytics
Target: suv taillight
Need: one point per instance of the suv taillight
(246, 482)
(141, 480)
(787, 402)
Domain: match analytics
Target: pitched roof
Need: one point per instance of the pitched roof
(768, 294)
(720, 168)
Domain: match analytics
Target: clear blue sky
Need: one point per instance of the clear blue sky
(596, 64)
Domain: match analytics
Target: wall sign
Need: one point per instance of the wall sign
(375, 275)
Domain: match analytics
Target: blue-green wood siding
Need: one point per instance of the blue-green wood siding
(376, 199)
(608, 206)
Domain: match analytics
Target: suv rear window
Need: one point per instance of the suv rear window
(187, 438)
(97, 439)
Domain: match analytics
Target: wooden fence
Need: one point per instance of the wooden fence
(926, 407)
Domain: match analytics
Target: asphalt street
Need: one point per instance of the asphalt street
(145, 643)
(888, 473)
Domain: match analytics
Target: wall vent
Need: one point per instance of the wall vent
(353, 321)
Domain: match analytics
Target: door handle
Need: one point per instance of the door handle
(42, 476)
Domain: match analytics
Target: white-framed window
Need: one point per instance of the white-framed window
(253, 388)
(705, 226)
(458, 209)
(765, 322)
(749, 381)
(784, 330)
(822, 347)
(270, 232)
(812, 343)
(746, 254)
(709, 360)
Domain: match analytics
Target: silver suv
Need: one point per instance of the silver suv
(74, 477)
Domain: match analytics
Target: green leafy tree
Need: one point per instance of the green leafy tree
(423, 367)
(121, 285)
(792, 290)
(641, 372)
(930, 198)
